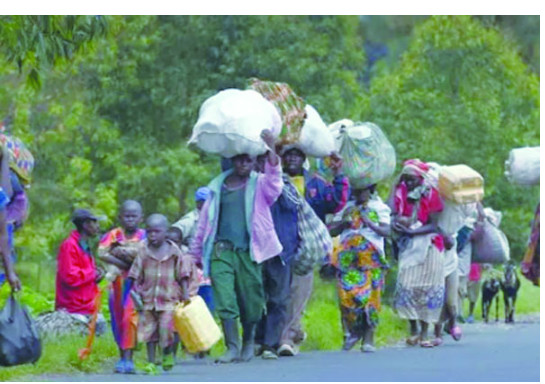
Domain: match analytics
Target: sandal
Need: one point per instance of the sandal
(426, 344)
(437, 341)
(151, 369)
(456, 333)
(168, 362)
(412, 340)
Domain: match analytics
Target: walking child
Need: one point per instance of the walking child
(163, 276)
(117, 249)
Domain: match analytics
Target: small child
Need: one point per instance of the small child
(117, 249)
(163, 276)
(175, 235)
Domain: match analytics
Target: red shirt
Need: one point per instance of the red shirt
(76, 288)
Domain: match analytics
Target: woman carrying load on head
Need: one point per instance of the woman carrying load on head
(420, 284)
(361, 264)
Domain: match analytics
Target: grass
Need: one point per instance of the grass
(527, 302)
(321, 321)
(61, 356)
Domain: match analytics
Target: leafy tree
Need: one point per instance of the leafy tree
(461, 94)
(38, 41)
(172, 63)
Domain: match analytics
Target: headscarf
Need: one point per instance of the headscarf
(416, 167)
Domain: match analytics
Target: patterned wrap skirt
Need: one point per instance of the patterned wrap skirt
(420, 288)
(360, 279)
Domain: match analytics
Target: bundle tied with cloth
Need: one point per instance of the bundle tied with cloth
(124, 251)
(21, 160)
(302, 129)
(368, 156)
(302, 126)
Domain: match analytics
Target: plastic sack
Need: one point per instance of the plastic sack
(522, 166)
(491, 246)
(21, 160)
(316, 243)
(19, 339)
(460, 184)
(230, 123)
(196, 326)
(493, 216)
(368, 156)
(290, 107)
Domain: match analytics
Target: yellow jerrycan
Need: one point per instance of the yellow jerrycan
(195, 325)
(461, 184)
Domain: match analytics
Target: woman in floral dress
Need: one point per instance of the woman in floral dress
(360, 264)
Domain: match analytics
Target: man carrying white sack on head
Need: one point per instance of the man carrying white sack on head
(234, 235)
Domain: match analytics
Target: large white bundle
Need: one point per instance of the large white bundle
(522, 167)
(316, 140)
(230, 123)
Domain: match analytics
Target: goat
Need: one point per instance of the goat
(489, 291)
(510, 285)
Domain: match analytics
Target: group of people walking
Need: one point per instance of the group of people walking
(238, 248)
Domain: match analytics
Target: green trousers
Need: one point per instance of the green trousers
(238, 284)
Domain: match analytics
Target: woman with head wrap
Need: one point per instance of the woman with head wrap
(360, 264)
(420, 285)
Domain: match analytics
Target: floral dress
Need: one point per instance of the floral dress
(361, 266)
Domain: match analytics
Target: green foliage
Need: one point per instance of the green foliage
(61, 356)
(34, 301)
(41, 41)
(177, 62)
(463, 85)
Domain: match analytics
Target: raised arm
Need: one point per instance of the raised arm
(271, 182)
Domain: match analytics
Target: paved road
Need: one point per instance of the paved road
(496, 352)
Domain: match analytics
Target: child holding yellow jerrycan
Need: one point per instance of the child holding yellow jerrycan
(164, 277)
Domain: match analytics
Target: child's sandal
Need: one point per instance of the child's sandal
(151, 369)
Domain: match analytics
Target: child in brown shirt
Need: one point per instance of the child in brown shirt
(164, 276)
